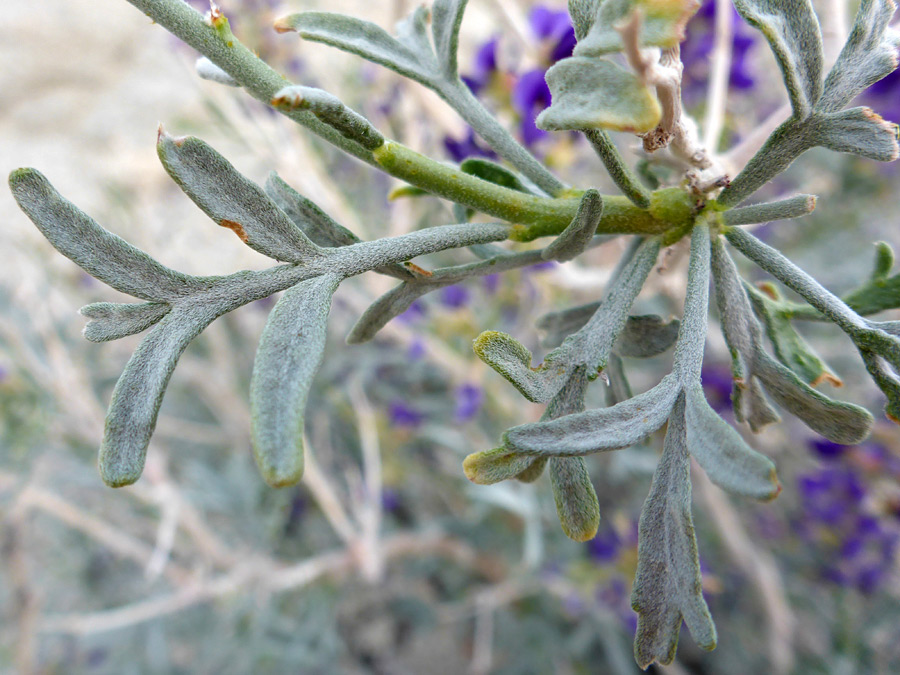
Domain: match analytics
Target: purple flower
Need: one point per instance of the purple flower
(884, 96)
(414, 312)
(467, 147)
(491, 283)
(390, 500)
(529, 97)
(555, 28)
(469, 399)
(718, 383)
(826, 449)
(484, 67)
(416, 350)
(454, 296)
(605, 546)
(402, 415)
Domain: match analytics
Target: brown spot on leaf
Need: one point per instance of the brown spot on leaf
(418, 270)
(237, 228)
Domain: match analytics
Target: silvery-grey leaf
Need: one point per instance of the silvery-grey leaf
(446, 17)
(600, 429)
(98, 252)
(364, 39)
(231, 200)
(208, 70)
(869, 55)
(615, 165)
(138, 394)
(412, 31)
(112, 320)
(575, 238)
(559, 325)
(835, 420)
(591, 93)
(492, 466)
(511, 359)
(583, 14)
(760, 412)
(321, 229)
(332, 111)
(790, 347)
(576, 500)
(793, 32)
(667, 586)
(725, 457)
(534, 471)
(792, 207)
(691, 342)
(592, 345)
(389, 306)
(646, 336)
(662, 24)
(886, 378)
(289, 354)
(859, 131)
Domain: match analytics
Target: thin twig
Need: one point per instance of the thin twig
(759, 567)
(371, 511)
(326, 497)
(717, 92)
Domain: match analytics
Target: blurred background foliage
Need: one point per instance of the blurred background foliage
(385, 559)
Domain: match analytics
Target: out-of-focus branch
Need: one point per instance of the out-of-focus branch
(759, 567)
(717, 91)
(255, 575)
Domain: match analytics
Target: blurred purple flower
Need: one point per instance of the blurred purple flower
(416, 349)
(855, 548)
(696, 52)
(529, 97)
(827, 450)
(491, 283)
(604, 548)
(467, 147)
(402, 415)
(390, 500)
(555, 28)
(469, 399)
(884, 97)
(717, 383)
(455, 296)
(483, 67)
(615, 597)
(414, 312)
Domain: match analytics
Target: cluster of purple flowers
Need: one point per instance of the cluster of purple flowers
(854, 538)
(527, 92)
(697, 51)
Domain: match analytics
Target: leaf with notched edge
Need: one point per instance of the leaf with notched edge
(667, 586)
(593, 93)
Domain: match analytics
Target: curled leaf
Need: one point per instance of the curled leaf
(576, 500)
(575, 238)
(492, 466)
(511, 359)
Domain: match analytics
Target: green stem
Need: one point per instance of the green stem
(670, 209)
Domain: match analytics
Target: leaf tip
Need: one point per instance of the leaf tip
(235, 227)
(285, 24)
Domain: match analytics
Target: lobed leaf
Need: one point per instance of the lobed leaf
(598, 430)
(859, 131)
(289, 354)
(870, 54)
(575, 238)
(98, 252)
(583, 14)
(593, 93)
(405, 55)
(446, 17)
(332, 111)
(511, 359)
(792, 207)
(492, 466)
(576, 500)
(725, 457)
(793, 33)
(662, 24)
(112, 320)
(232, 201)
(667, 586)
(138, 394)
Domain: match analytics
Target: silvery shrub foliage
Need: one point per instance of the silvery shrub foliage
(624, 75)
